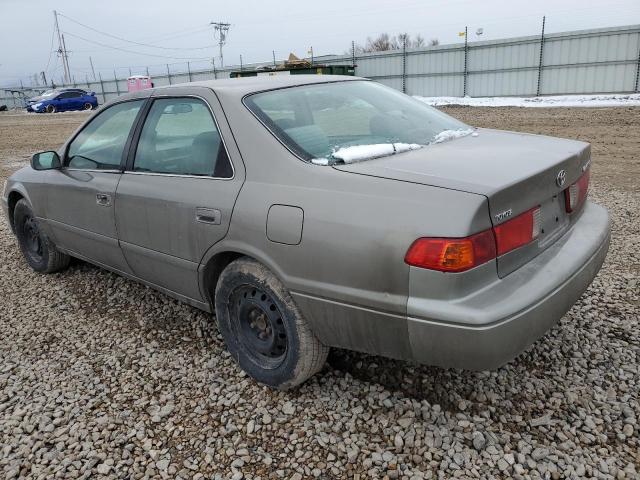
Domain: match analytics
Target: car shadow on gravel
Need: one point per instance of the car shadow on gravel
(453, 390)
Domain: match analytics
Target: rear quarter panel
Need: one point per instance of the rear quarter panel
(347, 274)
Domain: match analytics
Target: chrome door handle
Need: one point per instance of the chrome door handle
(103, 199)
(208, 215)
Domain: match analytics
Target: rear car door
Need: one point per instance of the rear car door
(75, 100)
(80, 196)
(176, 197)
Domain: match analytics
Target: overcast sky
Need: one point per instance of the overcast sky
(258, 27)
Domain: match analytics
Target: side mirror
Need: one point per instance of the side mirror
(46, 161)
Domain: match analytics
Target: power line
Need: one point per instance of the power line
(53, 35)
(62, 50)
(133, 41)
(134, 52)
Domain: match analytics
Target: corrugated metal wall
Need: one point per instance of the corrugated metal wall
(588, 61)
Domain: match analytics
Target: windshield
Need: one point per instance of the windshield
(352, 121)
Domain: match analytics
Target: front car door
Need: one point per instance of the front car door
(80, 196)
(66, 101)
(176, 197)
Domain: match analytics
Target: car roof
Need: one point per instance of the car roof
(246, 85)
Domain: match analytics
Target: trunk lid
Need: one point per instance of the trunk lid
(515, 171)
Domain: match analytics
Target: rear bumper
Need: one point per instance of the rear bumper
(489, 327)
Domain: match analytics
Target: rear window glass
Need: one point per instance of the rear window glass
(351, 121)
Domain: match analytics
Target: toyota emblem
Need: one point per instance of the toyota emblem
(561, 178)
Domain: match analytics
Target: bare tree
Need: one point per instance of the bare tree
(398, 41)
(434, 42)
(380, 44)
(385, 42)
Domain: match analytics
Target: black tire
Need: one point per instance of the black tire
(50, 109)
(262, 327)
(39, 252)
(88, 106)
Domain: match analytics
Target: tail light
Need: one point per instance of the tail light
(576, 194)
(518, 231)
(452, 254)
(461, 254)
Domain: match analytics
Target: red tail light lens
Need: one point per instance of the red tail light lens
(461, 254)
(576, 194)
(518, 231)
(452, 254)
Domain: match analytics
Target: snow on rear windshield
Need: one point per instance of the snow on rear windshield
(351, 121)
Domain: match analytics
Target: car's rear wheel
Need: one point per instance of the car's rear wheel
(88, 106)
(51, 109)
(262, 327)
(39, 252)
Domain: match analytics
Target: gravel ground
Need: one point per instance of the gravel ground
(103, 378)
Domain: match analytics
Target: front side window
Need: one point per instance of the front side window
(351, 121)
(180, 137)
(100, 145)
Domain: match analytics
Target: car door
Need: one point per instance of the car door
(58, 102)
(176, 197)
(74, 101)
(64, 101)
(81, 195)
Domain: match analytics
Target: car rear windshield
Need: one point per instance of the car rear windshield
(345, 122)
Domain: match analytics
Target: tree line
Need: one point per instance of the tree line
(385, 42)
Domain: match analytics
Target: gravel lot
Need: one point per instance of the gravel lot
(102, 377)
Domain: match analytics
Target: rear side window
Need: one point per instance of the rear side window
(180, 137)
(336, 122)
(99, 146)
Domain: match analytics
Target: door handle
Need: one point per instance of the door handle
(208, 215)
(103, 199)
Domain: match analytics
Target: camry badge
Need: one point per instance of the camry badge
(561, 178)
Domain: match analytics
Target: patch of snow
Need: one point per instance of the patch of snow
(618, 100)
(358, 153)
(320, 161)
(451, 134)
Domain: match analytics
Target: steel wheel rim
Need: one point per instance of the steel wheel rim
(258, 325)
(87, 106)
(32, 239)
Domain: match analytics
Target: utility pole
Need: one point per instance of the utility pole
(541, 58)
(44, 78)
(62, 50)
(466, 53)
(222, 29)
(93, 71)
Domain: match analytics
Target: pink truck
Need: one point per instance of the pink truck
(139, 82)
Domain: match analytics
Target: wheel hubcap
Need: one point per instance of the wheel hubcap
(260, 328)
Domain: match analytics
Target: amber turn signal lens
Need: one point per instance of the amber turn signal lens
(452, 254)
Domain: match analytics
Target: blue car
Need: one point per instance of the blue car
(63, 100)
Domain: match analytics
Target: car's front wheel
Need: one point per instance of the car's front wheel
(88, 106)
(262, 327)
(37, 249)
(50, 109)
